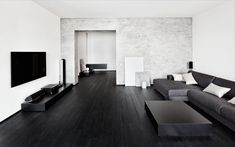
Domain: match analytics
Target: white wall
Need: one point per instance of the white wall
(81, 48)
(25, 26)
(214, 41)
(165, 43)
(102, 48)
(97, 47)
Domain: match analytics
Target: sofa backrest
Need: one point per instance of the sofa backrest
(228, 84)
(202, 79)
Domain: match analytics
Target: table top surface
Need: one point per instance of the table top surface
(172, 112)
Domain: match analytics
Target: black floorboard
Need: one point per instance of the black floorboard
(96, 113)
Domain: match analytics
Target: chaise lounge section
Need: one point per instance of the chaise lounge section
(217, 107)
(173, 90)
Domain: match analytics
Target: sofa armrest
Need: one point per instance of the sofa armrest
(170, 77)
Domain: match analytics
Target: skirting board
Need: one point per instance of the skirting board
(10, 116)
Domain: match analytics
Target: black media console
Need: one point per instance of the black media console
(47, 100)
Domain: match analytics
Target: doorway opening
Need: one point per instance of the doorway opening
(96, 50)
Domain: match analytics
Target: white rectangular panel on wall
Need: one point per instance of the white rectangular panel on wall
(132, 65)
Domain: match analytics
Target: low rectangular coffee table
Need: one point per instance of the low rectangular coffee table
(177, 119)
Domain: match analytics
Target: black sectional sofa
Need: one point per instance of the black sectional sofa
(217, 107)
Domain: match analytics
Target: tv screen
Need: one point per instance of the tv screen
(27, 66)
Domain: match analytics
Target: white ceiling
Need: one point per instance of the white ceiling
(129, 8)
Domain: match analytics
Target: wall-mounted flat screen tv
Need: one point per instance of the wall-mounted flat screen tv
(27, 66)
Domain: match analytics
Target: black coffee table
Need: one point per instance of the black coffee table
(177, 119)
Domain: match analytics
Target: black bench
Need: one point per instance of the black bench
(96, 66)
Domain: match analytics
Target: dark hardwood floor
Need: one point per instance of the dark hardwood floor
(96, 113)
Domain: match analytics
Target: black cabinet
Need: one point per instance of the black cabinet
(46, 101)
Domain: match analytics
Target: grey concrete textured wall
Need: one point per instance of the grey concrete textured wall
(165, 43)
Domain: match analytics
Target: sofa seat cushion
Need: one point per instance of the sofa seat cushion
(228, 112)
(207, 100)
(170, 88)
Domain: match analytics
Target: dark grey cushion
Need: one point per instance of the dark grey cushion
(226, 83)
(228, 112)
(202, 79)
(207, 100)
(172, 88)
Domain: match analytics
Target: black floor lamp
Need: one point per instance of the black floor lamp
(190, 65)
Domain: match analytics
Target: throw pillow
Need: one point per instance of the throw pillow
(216, 90)
(189, 79)
(178, 77)
(232, 101)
